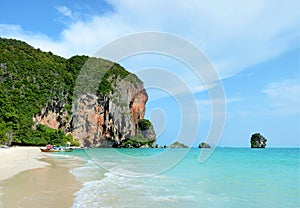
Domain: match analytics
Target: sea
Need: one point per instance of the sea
(229, 177)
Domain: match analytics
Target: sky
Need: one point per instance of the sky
(252, 45)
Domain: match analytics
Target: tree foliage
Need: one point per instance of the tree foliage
(144, 124)
(136, 141)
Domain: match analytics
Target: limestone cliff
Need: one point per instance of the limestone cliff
(103, 120)
(53, 115)
(43, 97)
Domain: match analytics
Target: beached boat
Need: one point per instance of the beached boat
(56, 150)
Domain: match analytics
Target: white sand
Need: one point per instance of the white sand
(17, 159)
(28, 188)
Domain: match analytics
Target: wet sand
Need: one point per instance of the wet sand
(50, 186)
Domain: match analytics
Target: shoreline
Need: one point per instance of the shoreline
(30, 178)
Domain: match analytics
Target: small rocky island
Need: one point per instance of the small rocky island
(258, 141)
(178, 145)
(204, 145)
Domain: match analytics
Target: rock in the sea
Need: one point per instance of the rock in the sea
(178, 145)
(204, 145)
(258, 141)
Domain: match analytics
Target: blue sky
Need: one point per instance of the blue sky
(253, 45)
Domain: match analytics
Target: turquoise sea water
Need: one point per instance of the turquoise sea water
(231, 177)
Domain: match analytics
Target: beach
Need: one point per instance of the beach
(17, 159)
(29, 178)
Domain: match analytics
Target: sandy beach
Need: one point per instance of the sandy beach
(17, 159)
(29, 178)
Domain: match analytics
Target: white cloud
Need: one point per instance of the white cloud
(226, 101)
(64, 11)
(284, 96)
(37, 40)
(233, 35)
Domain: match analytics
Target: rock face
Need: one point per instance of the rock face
(204, 145)
(103, 121)
(258, 141)
(53, 115)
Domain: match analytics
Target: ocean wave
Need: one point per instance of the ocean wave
(118, 191)
(87, 171)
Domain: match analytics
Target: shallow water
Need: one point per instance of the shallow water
(231, 177)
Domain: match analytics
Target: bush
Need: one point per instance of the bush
(136, 141)
(144, 124)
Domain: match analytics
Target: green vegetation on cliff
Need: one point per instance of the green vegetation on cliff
(29, 80)
(137, 141)
(144, 124)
